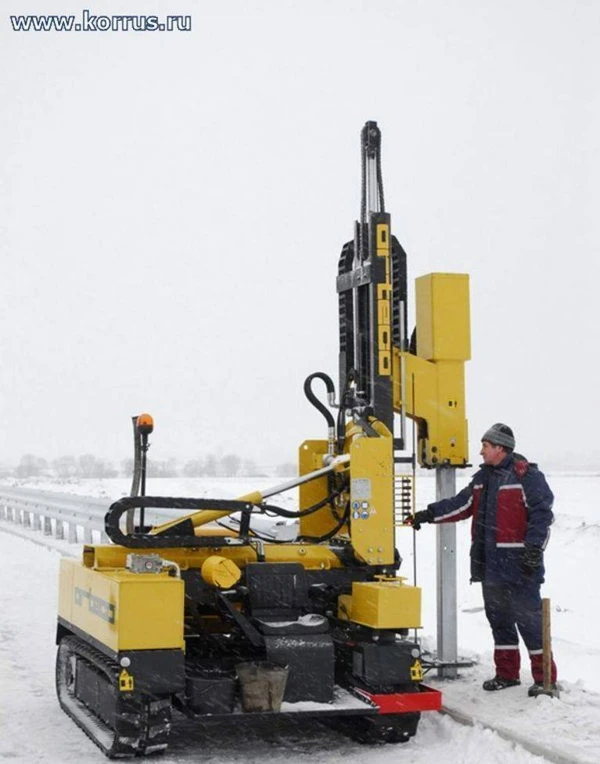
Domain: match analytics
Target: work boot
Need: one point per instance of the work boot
(500, 683)
(537, 688)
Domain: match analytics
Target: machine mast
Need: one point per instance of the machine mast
(371, 285)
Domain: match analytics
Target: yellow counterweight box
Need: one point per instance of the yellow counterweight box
(121, 609)
(383, 605)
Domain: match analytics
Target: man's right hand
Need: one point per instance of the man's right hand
(416, 520)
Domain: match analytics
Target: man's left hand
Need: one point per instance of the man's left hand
(531, 560)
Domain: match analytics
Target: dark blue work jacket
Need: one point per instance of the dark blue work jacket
(511, 507)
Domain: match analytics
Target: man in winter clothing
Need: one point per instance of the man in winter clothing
(510, 504)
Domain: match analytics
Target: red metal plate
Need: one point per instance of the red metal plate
(427, 699)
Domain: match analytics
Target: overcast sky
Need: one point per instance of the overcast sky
(173, 205)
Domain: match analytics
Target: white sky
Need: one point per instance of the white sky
(172, 208)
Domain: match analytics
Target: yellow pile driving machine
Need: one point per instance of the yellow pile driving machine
(204, 616)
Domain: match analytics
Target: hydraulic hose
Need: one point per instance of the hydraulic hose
(288, 513)
(308, 391)
(272, 510)
(312, 539)
(344, 404)
(325, 537)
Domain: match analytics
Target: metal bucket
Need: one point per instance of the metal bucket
(262, 685)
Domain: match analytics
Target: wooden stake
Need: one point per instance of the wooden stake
(547, 644)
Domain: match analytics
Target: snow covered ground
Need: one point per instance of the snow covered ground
(32, 727)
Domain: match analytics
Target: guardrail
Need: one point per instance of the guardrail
(64, 516)
(80, 519)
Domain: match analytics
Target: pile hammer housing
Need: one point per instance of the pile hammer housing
(163, 617)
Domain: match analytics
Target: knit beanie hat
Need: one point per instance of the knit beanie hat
(500, 435)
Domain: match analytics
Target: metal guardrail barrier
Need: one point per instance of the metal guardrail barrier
(80, 519)
(63, 516)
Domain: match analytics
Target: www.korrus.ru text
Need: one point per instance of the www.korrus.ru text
(91, 22)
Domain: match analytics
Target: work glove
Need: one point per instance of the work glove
(531, 560)
(416, 520)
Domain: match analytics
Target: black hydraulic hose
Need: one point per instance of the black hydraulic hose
(331, 533)
(281, 512)
(313, 398)
(308, 539)
(341, 429)
(344, 404)
(254, 535)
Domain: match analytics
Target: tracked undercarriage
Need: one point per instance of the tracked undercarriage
(120, 723)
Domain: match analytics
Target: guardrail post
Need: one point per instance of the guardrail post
(87, 535)
(47, 525)
(60, 530)
(72, 533)
(36, 520)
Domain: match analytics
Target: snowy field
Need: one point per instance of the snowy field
(33, 728)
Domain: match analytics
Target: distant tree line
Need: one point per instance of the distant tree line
(90, 466)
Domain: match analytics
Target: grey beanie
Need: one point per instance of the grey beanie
(500, 435)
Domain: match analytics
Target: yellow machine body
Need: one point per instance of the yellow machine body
(429, 386)
(116, 607)
(310, 458)
(371, 494)
(372, 499)
(443, 323)
(105, 557)
(387, 604)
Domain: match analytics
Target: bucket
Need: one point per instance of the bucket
(262, 685)
(210, 691)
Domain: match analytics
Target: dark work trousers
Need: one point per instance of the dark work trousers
(510, 607)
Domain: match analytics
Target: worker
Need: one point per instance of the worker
(510, 504)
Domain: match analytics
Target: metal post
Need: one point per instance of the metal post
(72, 532)
(447, 647)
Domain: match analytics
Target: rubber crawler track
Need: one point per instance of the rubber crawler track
(140, 724)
